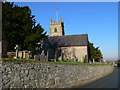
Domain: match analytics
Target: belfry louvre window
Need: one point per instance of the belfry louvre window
(55, 30)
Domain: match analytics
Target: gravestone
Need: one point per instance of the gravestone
(42, 56)
(37, 54)
(24, 54)
(93, 61)
(17, 48)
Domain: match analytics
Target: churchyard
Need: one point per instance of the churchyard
(24, 56)
(66, 62)
(26, 43)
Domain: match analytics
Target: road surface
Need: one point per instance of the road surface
(110, 81)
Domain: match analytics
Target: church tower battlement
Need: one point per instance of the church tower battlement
(56, 28)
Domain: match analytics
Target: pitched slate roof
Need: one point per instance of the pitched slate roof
(69, 40)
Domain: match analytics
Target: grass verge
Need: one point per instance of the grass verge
(66, 62)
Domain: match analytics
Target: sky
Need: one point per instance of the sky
(97, 19)
(63, 0)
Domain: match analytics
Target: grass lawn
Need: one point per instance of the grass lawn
(66, 62)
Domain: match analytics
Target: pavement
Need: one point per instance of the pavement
(110, 81)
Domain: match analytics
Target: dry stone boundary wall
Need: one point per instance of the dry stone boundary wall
(47, 75)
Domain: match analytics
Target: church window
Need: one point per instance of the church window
(55, 30)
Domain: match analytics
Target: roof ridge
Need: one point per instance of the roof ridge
(70, 35)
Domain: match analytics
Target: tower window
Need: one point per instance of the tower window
(55, 30)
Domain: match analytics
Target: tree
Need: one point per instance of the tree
(95, 53)
(34, 38)
(19, 27)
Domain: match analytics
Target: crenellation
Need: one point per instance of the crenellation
(59, 26)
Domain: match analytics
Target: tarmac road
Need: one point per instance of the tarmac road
(110, 81)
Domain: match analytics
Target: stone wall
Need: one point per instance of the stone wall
(47, 75)
(78, 52)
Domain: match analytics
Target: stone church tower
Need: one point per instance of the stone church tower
(57, 28)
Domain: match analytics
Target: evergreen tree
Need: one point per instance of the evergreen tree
(35, 37)
(95, 53)
(19, 26)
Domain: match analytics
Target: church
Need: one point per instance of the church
(65, 47)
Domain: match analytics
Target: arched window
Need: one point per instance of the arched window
(55, 30)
